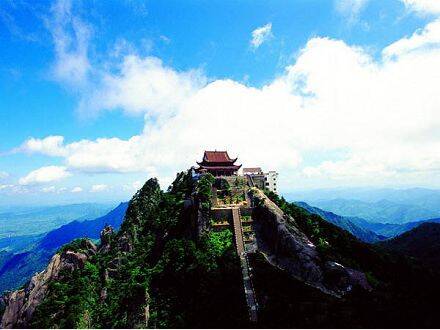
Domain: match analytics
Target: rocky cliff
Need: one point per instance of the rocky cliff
(284, 245)
(21, 304)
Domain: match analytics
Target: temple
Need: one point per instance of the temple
(218, 163)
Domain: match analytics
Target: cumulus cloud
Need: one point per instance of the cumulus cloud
(360, 119)
(98, 188)
(423, 6)
(44, 175)
(261, 35)
(76, 190)
(421, 40)
(51, 146)
(143, 86)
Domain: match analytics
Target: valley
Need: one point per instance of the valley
(27, 221)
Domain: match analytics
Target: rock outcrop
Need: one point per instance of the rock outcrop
(285, 246)
(21, 304)
(106, 238)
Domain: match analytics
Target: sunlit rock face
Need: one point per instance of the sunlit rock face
(284, 245)
(21, 304)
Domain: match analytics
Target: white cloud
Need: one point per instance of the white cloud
(53, 189)
(421, 40)
(143, 86)
(5, 186)
(50, 189)
(3, 175)
(51, 146)
(423, 6)
(261, 35)
(382, 115)
(44, 175)
(350, 8)
(98, 188)
(71, 38)
(76, 190)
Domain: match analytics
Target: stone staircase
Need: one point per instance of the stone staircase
(245, 268)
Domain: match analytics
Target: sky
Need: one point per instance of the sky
(98, 96)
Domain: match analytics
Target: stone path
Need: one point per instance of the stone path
(245, 269)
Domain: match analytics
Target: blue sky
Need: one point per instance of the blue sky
(97, 96)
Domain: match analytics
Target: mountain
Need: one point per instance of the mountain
(76, 229)
(421, 242)
(39, 220)
(177, 263)
(19, 243)
(390, 229)
(18, 267)
(421, 197)
(345, 223)
(383, 211)
(366, 231)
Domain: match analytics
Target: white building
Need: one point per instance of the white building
(270, 180)
(262, 180)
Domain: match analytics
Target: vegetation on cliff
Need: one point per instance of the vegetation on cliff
(422, 242)
(161, 270)
(151, 272)
(404, 295)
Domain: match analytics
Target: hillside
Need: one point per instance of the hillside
(382, 211)
(422, 198)
(172, 265)
(421, 242)
(345, 223)
(390, 229)
(16, 268)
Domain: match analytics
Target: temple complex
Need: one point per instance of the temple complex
(218, 163)
(232, 208)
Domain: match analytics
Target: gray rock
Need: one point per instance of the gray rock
(21, 304)
(285, 246)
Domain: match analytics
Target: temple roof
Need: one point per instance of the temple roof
(214, 167)
(217, 157)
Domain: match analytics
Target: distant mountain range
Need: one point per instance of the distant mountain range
(383, 211)
(395, 206)
(25, 221)
(17, 267)
(390, 229)
(422, 197)
(346, 223)
(363, 229)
